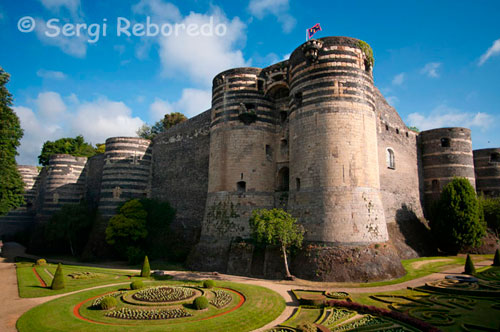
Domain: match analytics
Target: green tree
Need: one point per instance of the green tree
(146, 269)
(58, 281)
(491, 210)
(100, 148)
(128, 227)
(74, 146)
(277, 227)
(170, 120)
(11, 183)
(458, 219)
(69, 228)
(414, 129)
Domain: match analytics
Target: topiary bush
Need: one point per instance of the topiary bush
(200, 303)
(109, 302)
(209, 284)
(496, 259)
(146, 270)
(137, 285)
(469, 266)
(58, 281)
(41, 262)
(457, 221)
(307, 327)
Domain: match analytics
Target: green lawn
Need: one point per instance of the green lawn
(260, 307)
(29, 285)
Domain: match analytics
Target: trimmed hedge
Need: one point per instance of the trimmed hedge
(41, 262)
(312, 300)
(146, 270)
(58, 281)
(496, 259)
(137, 285)
(469, 266)
(200, 303)
(209, 284)
(109, 302)
(368, 309)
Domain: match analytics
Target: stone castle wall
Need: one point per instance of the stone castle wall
(312, 135)
(487, 171)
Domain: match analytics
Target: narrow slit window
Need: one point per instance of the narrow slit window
(297, 184)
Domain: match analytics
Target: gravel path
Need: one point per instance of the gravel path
(17, 306)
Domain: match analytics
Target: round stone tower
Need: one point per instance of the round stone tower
(334, 176)
(64, 183)
(241, 165)
(487, 170)
(446, 153)
(126, 172)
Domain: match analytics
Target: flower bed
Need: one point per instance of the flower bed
(97, 302)
(221, 299)
(139, 314)
(163, 294)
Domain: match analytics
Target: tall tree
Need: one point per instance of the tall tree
(458, 220)
(170, 120)
(11, 183)
(277, 227)
(74, 146)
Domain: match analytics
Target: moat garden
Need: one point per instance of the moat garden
(434, 295)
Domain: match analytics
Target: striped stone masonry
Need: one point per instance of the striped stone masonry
(126, 172)
(64, 184)
(487, 170)
(446, 153)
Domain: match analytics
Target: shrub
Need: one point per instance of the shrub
(314, 300)
(137, 285)
(491, 210)
(146, 270)
(469, 266)
(307, 327)
(58, 281)
(457, 221)
(41, 261)
(496, 259)
(200, 303)
(209, 284)
(109, 302)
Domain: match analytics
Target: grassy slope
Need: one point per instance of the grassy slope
(29, 286)
(262, 306)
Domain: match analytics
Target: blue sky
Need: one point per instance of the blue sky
(437, 62)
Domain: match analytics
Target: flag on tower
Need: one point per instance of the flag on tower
(313, 30)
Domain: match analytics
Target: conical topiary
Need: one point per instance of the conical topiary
(146, 270)
(496, 259)
(58, 281)
(469, 266)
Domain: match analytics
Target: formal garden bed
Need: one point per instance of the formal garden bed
(455, 304)
(160, 306)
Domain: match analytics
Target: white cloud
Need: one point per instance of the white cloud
(73, 45)
(492, 51)
(50, 105)
(191, 103)
(103, 118)
(278, 8)
(202, 57)
(52, 118)
(398, 79)
(444, 116)
(56, 5)
(430, 69)
(158, 9)
(51, 74)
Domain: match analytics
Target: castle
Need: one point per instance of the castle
(312, 135)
